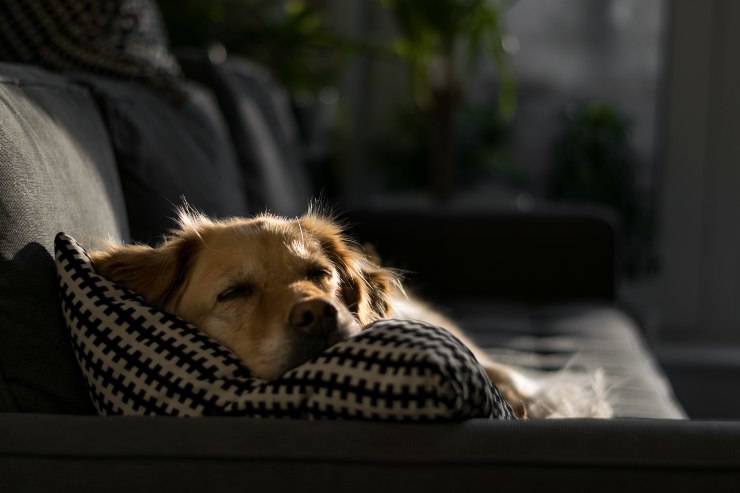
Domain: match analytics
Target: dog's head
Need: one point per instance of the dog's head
(275, 291)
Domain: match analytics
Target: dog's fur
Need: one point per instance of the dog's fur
(279, 291)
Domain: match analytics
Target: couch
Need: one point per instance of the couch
(105, 159)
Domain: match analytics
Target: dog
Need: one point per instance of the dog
(279, 291)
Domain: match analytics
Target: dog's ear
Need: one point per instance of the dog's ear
(156, 273)
(366, 287)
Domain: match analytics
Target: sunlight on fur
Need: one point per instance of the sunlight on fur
(567, 394)
(279, 291)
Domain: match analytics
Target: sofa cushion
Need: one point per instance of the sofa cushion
(120, 38)
(56, 172)
(139, 360)
(581, 337)
(263, 128)
(168, 150)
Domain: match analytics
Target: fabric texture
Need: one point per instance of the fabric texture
(263, 129)
(134, 454)
(56, 171)
(582, 337)
(138, 360)
(546, 255)
(119, 38)
(167, 153)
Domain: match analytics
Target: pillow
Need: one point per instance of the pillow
(263, 130)
(167, 151)
(138, 360)
(119, 38)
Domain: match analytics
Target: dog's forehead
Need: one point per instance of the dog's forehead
(265, 240)
(273, 233)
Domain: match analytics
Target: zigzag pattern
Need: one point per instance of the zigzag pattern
(138, 360)
(117, 38)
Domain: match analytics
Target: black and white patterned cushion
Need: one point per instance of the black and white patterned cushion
(139, 360)
(117, 38)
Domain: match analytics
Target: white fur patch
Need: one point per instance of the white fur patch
(567, 394)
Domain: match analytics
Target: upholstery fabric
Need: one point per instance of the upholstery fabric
(119, 38)
(262, 125)
(167, 153)
(580, 336)
(56, 171)
(82, 454)
(139, 360)
(545, 255)
(540, 294)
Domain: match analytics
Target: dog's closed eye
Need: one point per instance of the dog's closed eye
(318, 274)
(240, 290)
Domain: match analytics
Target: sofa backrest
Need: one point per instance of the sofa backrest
(169, 148)
(263, 129)
(57, 173)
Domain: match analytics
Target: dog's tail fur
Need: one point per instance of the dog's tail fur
(568, 394)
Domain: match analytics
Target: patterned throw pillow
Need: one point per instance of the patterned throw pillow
(116, 38)
(139, 360)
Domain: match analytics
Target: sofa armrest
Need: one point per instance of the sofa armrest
(68, 453)
(541, 256)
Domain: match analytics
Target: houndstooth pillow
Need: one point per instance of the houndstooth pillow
(117, 38)
(140, 360)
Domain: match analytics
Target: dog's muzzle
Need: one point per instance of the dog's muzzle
(320, 323)
(315, 317)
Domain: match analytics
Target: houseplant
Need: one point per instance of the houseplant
(439, 40)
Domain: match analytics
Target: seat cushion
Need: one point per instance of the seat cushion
(582, 337)
(138, 360)
(169, 151)
(57, 172)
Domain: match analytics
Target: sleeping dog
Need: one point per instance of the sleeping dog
(279, 291)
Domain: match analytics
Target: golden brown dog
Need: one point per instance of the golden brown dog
(275, 291)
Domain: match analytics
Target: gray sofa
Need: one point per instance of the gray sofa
(103, 159)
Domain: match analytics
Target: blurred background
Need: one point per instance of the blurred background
(477, 104)
(628, 105)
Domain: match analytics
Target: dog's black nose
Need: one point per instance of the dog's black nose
(314, 317)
